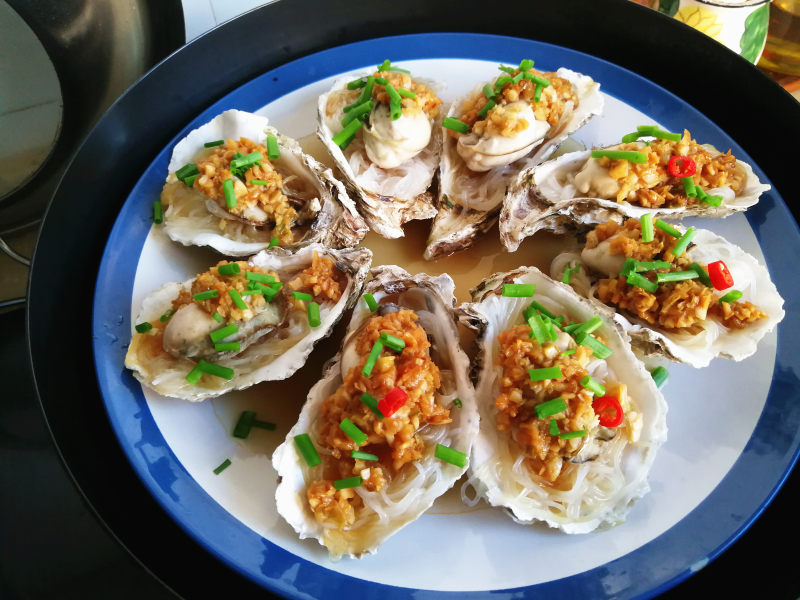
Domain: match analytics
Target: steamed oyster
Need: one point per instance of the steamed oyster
(389, 162)
(291, 199)
(242, 322)
(569, 422)
(683, 315)
(428, 378)
(525, 122)
(575, 185)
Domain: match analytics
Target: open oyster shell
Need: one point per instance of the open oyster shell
(713, 339)
(545, 194)
(404, 499)
(326, 213)
(469, 202)
(386, 197)
(597, 490)
(273, 356)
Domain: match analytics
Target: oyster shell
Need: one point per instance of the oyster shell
(324, 212)
(597, 486)
(470, 201)
(548, 193)
(708, 338)
(413, 490)
(408, 149)
(272, 348)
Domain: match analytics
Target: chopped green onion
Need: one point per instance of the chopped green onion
(593, 385)
(489, 91)
(537, 94)
(518, 290)
(568, 352)
(689, 187)
(509, 70)
(227, 347)
(666, 135)
(406, 93)
(589, 326)
(229, 269)
(366, 93)
(214, 143)
(217, 317)
(568, 435)
(649, 130)
(535, 306)
(167, 314)
(566, 276)
(144, 327)
(269, 292)
(258, 182)
(630, 137)
(262, 277)
(501, 81)
(395, 343)
(455, 125)
(210, 368)
(358, 455)
(647, 227)
(517, 78)
(629, 267)
(273, 151)
(448, 455)
(387, 66)
(704, 197)
(237, 299)
(352, 431)
(302, 296)
(371, 303)
(273, 242)
(372, 403)
(313, 314)
(349, 482)
(357, 112)
(395, 107)
(599, 349)
(307, 450)
(356, 84)
(244, 162)
(205, 295)
(702, 274)
(629, 155)
(550, 408)
(683, 242)
(641, 281)
(538, 329)
(651, 265)
(667, 228)
(659, 375)
(545, 373)
(244, 424)
(251, 292)
(554, 427)
(526, 65)
(486, 108)
(225, 463)
(676, 276)
(539, 81)
(731, 296)
(343, 138)
(186, 171)
(158, 213)
(377, 347)
(457, 402)
(223, 332)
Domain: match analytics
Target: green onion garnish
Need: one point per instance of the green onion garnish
(210, 368)
(371, 303)
(545, 373)
(676, 276)
(651, 265)
(550, 408)
(630, 137)
(358, 455)
(647, 227)
(455, 125)
(649, 130)
(683, 242)
(568, 352)
(313, 314)
(641, 281)
(539, 81)
(667, 228)
(519, 290)
(144, 327)
(535, 306)
(187, 171)
(261, 277)
(486, 108)
(205, 295)
(250, 292)
(167, 314)
(395, 343)
(457, 402)
(660, 375)
(501, 81)
(395, 108)
(448, 455)
(273, 151)
(629, 155)
(352, 431)
(229, 269)
(302, 296)
(489, 91)
(372, 403)
(406, 93)
(518, 77)
(377, 347)
(223, 332)
(273, 242)
(387, 66)
(158, 213)
(237, 299)
(509, 70)
(214, 143)
(244, 424)
(246, 161)
(689, 187)
(666, 135)
(538, 329)
(366, 93)
(227, 347)
(343, 138)
(629, 267)
(537, 94)
(554, 427)
(307, 450)
(217, 317)
(702, 274)
(588, 326)
(731, 296)
(526, 65)
(704, 197)
(356, 84)
(357, 112)
(599, 349)
(572, 434)
(566, 276)
(225, 463)
(258, 182)
(350, 482)
(593, 385)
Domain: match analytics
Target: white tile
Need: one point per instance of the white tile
(198, 17)
(225, 10)
(27, 77)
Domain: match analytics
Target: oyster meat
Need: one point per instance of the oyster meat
(389, 163)
(687, 320)
(233, 197)
(569, 422)
(525, 123)
(422, 386)
(577, 187)
(242, 322)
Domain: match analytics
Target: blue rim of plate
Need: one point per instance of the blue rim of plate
(663, 562)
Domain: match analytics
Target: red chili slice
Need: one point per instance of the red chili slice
(681, 166)
(720, 276)
(391, 402)
(608, 410)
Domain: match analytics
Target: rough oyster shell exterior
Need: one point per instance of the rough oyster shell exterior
(194, 220)
(469, 203)
(608, 485)
(544, 197)
(272, 357)
(432, 299)
(387, 198)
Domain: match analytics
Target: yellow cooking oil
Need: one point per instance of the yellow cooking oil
(782, 50)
